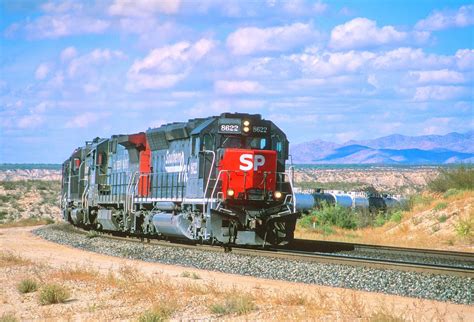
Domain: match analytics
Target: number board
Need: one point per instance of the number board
(230, 126)
(260, 130)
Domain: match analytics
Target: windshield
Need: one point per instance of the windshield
(255, 143)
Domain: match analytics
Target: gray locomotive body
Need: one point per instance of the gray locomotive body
(220, 180)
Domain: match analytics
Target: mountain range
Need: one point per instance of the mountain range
(393, 149)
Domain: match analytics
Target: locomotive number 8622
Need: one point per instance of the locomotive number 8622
(219, 180)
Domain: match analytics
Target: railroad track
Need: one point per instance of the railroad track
(386, 257)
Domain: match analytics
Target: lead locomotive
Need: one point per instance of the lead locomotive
(218, 180)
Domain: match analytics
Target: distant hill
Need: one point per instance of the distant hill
(392, 149)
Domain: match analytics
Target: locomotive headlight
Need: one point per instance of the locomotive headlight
(246, 123)
(277, 194)
(230, 192)
(246, 129)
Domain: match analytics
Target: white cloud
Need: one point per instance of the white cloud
(61, 7)
(42, 71)
(82, 64)
(302, 7)
(249, 40)
(465, 59)
(166, 66)
(84, 120)
(237, 87)
(363, 32)
(68, 53)
(30, 121)
(406, 57)
(438, 93)
(440, 20)
(55, 26)
(143, 7)
(329, 63)
(442, 76)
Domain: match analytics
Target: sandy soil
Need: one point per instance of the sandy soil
(343, 304)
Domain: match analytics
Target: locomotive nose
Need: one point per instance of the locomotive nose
(248, 174)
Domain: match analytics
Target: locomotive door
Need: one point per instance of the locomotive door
(205, 163)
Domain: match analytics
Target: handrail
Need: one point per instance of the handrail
(290, 180)
(205, 200)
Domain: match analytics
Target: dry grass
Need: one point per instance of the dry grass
(25, 222)
(53, 294)
(10, 259)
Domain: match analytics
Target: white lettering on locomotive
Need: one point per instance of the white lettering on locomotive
(248, 161)
(174, 161)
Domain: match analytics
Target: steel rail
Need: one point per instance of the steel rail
(324, 258)
(332, 246)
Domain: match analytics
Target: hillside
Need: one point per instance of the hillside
(393, 149)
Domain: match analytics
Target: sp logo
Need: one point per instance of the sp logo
(249, 161)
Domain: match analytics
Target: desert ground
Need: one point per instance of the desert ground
(107, 288)
(101, 287)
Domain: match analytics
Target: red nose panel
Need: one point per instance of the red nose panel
(244, 170)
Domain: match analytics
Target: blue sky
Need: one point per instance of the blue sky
(330, 70)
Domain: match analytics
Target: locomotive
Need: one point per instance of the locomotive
(218, 180)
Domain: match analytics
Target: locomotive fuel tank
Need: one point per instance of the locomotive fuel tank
(172, 225)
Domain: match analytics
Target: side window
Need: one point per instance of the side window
(208, 142)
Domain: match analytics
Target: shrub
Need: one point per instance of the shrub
(396, 216)
(92, 234)
(461, 178)
(53, 293)
(464, 228)
(27, 286)
(239, 304)
(440, 206)
(451, 192)
(195, 276)
(185, 274)
(442, 218)
(161, 311)
(380, 219)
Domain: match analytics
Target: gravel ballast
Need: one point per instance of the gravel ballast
(429, 286)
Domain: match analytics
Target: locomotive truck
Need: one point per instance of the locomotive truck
(218, 180)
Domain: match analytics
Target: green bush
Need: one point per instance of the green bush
(53, 293)
(461, 178)
(27, 286)
(451, 192)
(464, 228)
(380, 219)
(440, 206)
(396, 216)
(330, 215)
(442, 218)
(92, 234)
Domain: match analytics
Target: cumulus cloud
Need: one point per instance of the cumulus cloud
(442, 76)
(166, 66)
(438, 93)
(302, 7)
(55, 26)
(68, 53)
(332, 63)
(42, 71)
(82, 64)
(465, 59)
(363, 32)
(237, 87)
(85, 119)
(249, 40)
(143, 7)
(30, 121)
(440, 20)
(406, 57)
